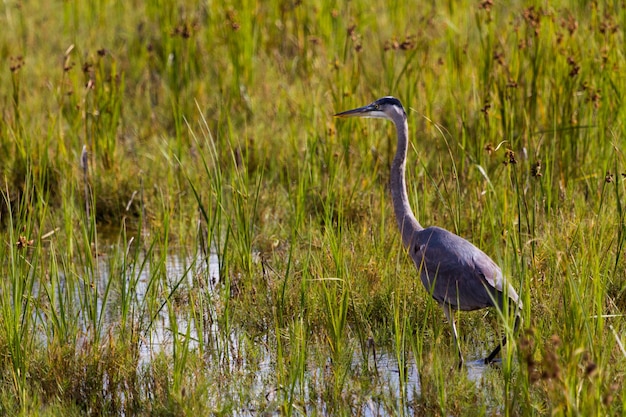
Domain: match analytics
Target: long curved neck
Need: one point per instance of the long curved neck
(407, 222)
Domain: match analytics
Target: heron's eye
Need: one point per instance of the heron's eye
(377, 107)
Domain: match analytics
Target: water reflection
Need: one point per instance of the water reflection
(177, 269)
(255, 360)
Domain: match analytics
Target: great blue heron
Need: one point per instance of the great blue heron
(456, 273)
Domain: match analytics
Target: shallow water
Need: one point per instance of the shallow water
(385, 365)
(261, 370)
(160, 336)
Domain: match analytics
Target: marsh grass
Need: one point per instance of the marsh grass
(205, 133)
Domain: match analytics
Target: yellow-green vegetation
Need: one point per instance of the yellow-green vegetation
(209, 135)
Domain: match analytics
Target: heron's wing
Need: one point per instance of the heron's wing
(491, 273)
(457, 272)
(487, 269)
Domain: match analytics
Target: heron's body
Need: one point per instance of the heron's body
(455, 272)
(467, 280)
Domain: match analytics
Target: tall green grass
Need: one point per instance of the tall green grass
(208, 133)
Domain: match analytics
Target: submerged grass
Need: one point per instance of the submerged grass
(209, 138)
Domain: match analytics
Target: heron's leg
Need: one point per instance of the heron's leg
(450, 316)
(493, 354)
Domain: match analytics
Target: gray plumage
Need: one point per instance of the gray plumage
(456, 273)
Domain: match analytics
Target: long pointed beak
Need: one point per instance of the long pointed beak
(359, 112)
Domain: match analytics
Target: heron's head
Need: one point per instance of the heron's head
(383, 108)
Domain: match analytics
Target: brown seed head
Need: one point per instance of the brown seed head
(23, 242)
(16, 63)
(486, 5)
(509, 156)
(591, 369)
(536, 169)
